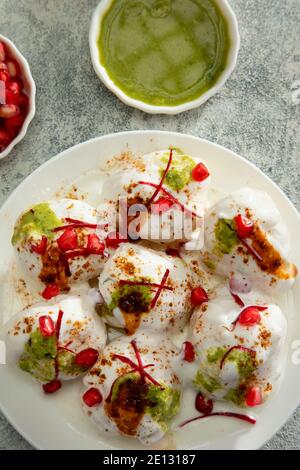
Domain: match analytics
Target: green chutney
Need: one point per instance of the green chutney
(164, 52)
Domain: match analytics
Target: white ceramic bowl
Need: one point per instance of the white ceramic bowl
(152, 109)
(29, 89)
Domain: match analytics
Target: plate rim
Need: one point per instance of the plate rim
(146, 133)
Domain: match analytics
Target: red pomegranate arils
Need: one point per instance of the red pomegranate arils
(203, 404)
(114, 239)
(52, 290)
(68, 240)
(123, 282)
(47, 326)
(199, 296)
(233, 348)
(40, 248)
(156, 192)
(200, 172)
(15, 86)
(244, 226)
(87, 358)
(188, 352)
(251, 250)
(94, 245)
(92, 397)
(170, 196)
(254, 396)
(237, 320)
(14, 122)
(158, 292)
(225, 414)
(52, 387)
(250, 316)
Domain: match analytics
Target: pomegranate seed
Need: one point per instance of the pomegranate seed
(4, 76)
(13, 67)
(68, 240)
(203, 405)
(250, 316)
(244, 226)
(14, 86)
(162, 205)
(3, 66)
(5, 138)
(114, 239)
(9, 110)
(40, 248)
(200, 173)
(198, 296)
(52, 387)
(188, 352)
(87, 358)
(24, 100)
(3, 51)
(50, 291)
(47, 326)
(92, 397)
(12, 97)
(253, 396)
(94, 245)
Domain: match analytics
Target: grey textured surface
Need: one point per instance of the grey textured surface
(253, 115)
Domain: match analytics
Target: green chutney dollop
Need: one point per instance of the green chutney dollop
(164, 52)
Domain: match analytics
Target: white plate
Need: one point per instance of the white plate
(57, 422)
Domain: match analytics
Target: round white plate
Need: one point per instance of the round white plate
(57, 422)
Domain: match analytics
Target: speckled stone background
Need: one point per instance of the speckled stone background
(254, 115)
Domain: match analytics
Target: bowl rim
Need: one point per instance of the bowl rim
(26, 72)
(100, 70)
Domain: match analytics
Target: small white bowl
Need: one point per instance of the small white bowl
(234, 36)
(29, 89)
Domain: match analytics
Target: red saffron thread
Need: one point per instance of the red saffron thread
(241, 348)
(167, 193)
(141, 283)
(57, 331)
(237, 299)
(156, 297)
(248, 419)
(140, 368)
(74, 223)
(163, 177)
(251, 250)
